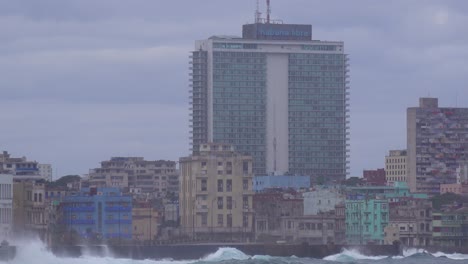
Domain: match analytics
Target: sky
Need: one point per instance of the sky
(84, 80)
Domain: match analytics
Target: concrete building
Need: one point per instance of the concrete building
(96, 214)
(449, 227)
(270, 207)
(276, 95)
(215, 198)
(322, 199)
(437, 143)
(146, 221)
(20, 168)
(374, 177)
(6, 206)
(366, 220)
(45, 171)
(148, 177)
(29, 209)
(261, 183)
(392, 192)
(411, 221)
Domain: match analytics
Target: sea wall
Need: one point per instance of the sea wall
(197, 251)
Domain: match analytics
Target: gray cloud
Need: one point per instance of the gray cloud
(85, 80)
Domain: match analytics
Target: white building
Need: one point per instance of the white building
(45, 170)
(322, 199)
(6, 206)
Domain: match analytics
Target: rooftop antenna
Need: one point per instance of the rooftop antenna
(268, 11)
(258, 18)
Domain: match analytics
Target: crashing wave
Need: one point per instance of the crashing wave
(348, 255)
(226, 253)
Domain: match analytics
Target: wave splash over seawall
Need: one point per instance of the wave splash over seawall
(35, 252)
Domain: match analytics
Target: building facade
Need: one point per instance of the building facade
(97, 214)
(411, 219)
(374, 177)
(20, 168)
(215, 198)
(295, 182)
(437, 143)
(366, 220)
(450, 227)
(322, 199)
(282, 99)
(29, 208)
(148, 177)
(395, 166)
(6, 206)
(45, 171)
(146, 221)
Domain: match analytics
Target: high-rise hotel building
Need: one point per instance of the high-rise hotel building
(275, 94)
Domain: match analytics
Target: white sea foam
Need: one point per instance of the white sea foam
(350, 255)
(226, 253)
(35, 252)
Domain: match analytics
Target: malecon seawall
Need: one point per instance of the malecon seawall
(197, 251)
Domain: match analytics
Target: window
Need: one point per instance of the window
(220, 172)
(220, 185)
(220, 203)
(229, 220)
(245, 202)
(35, 197)
(204, 185)
(204, 219)
(229, 203)
(245, 220)
(203, 164)
(220, 163)
(245, 167)
(228, 185)
(245, 184)
(220, 220)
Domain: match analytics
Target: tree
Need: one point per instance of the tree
(63, 181)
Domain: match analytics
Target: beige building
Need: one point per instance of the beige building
(145, 220)
(395, 166)
(216, 194)
(136, 174)
(29, 208)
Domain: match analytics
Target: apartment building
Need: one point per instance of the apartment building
(20, 168)
(215, 197)
(6, 206)
(437, 143)
(141, 176)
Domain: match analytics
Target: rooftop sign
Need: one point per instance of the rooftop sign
(277, 31)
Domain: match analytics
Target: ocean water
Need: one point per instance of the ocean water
(34, 252)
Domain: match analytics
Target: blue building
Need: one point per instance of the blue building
(261, 183)
(98, 212)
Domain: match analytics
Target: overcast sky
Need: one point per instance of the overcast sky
(85, 80)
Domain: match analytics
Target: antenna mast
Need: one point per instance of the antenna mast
(268, 11)
(258, 18)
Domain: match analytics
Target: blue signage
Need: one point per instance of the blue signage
(277, 31)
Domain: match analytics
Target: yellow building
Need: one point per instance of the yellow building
(145, 221)
(216, 194)
(395, 166)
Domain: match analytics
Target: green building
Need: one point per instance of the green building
(366, 220)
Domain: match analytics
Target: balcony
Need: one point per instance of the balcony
(118, 221)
